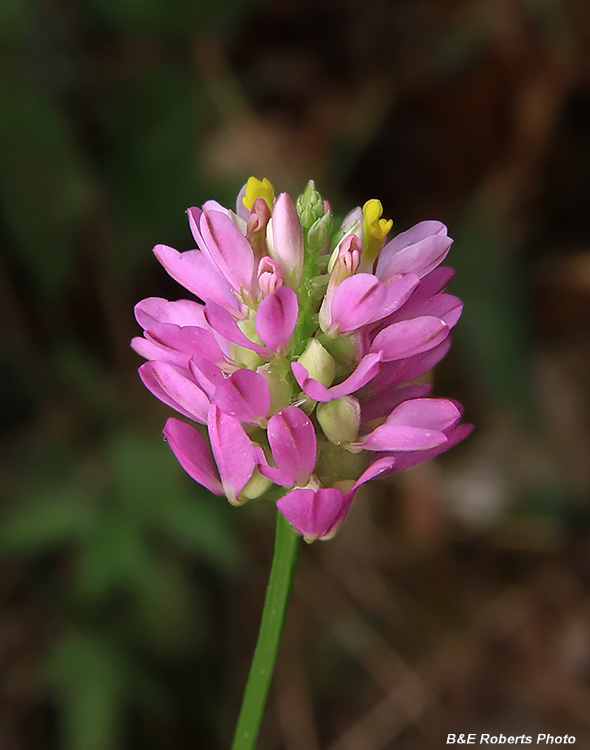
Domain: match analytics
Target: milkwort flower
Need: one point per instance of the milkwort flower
(302, 359)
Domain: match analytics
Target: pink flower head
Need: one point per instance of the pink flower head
(300, 366)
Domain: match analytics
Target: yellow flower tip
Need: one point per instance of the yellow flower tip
(256, 188)
(373, 224)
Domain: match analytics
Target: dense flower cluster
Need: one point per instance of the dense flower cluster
(302, 359)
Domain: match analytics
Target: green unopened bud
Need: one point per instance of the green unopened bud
(310, 206)
(276, 375)
(257, 485)
(319, 363)
(319, 232)
(340, 419)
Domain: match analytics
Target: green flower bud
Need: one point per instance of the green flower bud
(340, 419)
(310, 206)
(276, 374)
(319, 232)
(257, 485)
(318, 363)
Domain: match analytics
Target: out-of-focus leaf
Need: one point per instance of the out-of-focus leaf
(42, 186)
(153, 121)
(494, 330)
(89, 676)
(45, 523)
(150, 481)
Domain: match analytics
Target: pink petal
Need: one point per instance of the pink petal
(356, 301)
(292, 439)
(405, 461)
(276, 318)
(197, 274)
(366, 370)
(404, 370)
(428, 413)
(276, 475)
(312, 512)
(154, 310)
(443, 306)
(395, 437)
(419, 251)
(207, 375)
(175, 390)
(150, 350)
(409, 337)
(232, 450)
(310, 386)
(244, 395)
(192, 452)
(188, 339)
(228, 249)
(384, 402)
(223, 323)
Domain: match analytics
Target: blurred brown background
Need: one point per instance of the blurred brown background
(456, 597)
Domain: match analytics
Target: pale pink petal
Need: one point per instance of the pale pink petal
(183, 312)
(233, 452)
(276, 318)
(443, 306)
(244, 395)
(292, 439)
(192, 452)
(312, 512)
(228, 249)
(409, 337)
(151, 350)
(175, 389)
(197, 274)
(224, 323)
(287, 239)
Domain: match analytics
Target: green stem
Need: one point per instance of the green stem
(269, 636)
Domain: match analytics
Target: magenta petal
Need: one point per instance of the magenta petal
(228, 249)
(311, 387)
(197, 274)
(207, 375)
(291, 436)
(150, 350)
(244, 395)
(405, 461)
(385, 401)
(409, 337)
(366, 370)
(223, 323)
(232, 450)
(356, 302)
(398, 292)
(192, 452)
(276, 318)
(395, 437)
(153, 310)
(311, 512)
(428, 413)
(175, 389)
(404, 370)
(419, 251)
(376, 468)
(276, 475)
(186, 339)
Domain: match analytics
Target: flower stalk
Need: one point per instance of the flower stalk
(271, 627)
